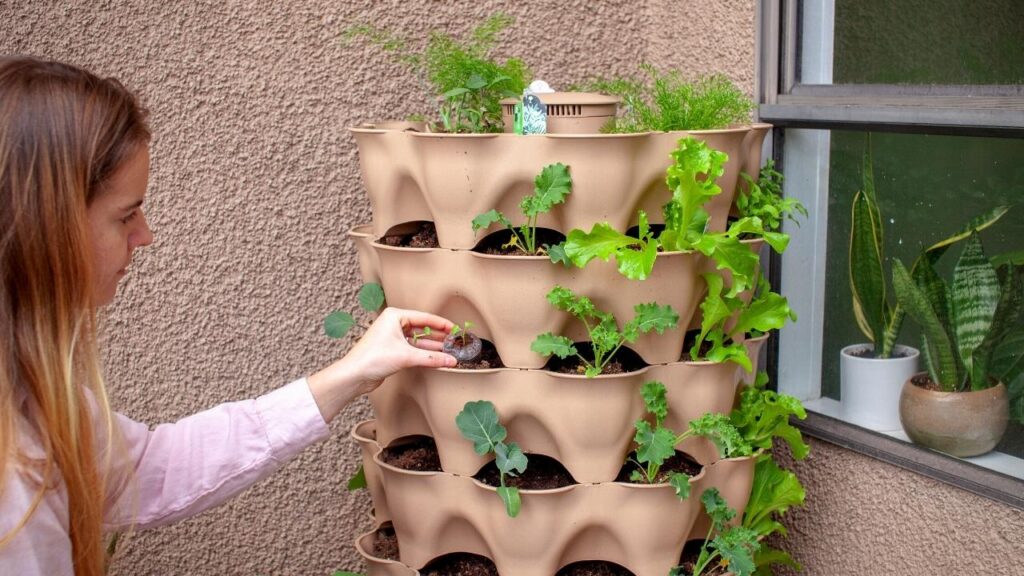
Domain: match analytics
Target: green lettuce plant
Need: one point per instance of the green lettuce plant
(605, 337)
(550, 187)
(478, 422)
(466, 81)
(970, 328)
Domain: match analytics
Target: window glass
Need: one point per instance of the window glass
(928, 42)
(927, 187)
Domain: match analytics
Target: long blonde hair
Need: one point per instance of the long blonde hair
(63, 133)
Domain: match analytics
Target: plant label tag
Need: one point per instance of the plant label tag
(535, 115)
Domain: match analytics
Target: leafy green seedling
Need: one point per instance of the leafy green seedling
(634, 256)
(766, 311)
(479, 423)
(605, 336)
(763, 415)
(656, 443)
(764, 199)
(462, 344)
(339, 323)
(774, 492)
(417, 335)
(461, 331)
(550, 187)
(733, 547)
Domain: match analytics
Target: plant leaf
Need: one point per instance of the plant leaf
(737, 546)
(719, 429)
(454, 92)
(655, 401)
(509, 458)
(766, 311)
(939, 347)
(654, 445)
(478, 422)
(551, 187)
(867, 277)
(556, 252)
(773, 493)
(338, 323)
(358, 480)
(371, 297)
(716, 507)
(510, 496)
(602, 242)
(975, 295)
(482, 221)
(637, 264)
(681, 484)
(547, 344)
(651, 316)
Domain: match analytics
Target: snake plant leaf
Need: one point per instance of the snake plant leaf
(976, 224)
(974, 297)
(478, 422)
(1004, 323)
(934, 288)
(940, 355)
(1007, 363)
(867, 277)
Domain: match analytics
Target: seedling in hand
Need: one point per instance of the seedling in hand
(605, 337)
(417, 335)
(463, 344)
(339, 323)
(656, 444)
(551, 187)
(479, 423)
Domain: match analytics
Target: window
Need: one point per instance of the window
(939, 86)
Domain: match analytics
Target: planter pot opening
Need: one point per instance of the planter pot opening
(594, 568)
(420, 234)
(416, 453)
(460, 564)
(497, 243)
(542, 473)
(385, 543)
(623, 361)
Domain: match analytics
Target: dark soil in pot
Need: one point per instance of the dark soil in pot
(925, 381)
(385, 544)
(495, 242)
(680, 462)
(460, 564)
(625, 360)
(416, 453)
(542, 473)
(423, 236)
(594, 568)
(688, 560)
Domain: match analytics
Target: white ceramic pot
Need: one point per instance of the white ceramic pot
(869, 388)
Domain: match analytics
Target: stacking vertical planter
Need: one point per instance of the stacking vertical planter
(586, 424)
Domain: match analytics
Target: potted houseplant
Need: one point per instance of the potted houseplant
(871, 374)
(960, 405)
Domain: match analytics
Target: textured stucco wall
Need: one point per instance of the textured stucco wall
(255, 181)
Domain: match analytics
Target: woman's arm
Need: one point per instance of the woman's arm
(179, 470)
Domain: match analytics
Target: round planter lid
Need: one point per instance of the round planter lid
(577, 98)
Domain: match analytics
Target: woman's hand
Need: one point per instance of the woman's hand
(387, 347)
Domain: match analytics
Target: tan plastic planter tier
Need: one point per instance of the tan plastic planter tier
(586, 424)
(449, 179)
(505, 296)
(640, 527)
(958, 423)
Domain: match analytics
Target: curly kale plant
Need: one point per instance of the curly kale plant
(550, 187)
(605, 337)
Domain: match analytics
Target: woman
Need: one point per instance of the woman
(74, 165)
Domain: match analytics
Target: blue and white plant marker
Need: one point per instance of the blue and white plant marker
(535, 115)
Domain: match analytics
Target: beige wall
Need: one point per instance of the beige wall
(255, 181)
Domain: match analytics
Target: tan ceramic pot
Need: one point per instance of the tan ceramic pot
(451, 178)
(586, 424)
(505, 296)
(640, 527)
(569, 112)
(957, 423)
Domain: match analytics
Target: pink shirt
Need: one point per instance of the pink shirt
(180, 470)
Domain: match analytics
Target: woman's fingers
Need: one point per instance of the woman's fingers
(415, 319)
(430, 345)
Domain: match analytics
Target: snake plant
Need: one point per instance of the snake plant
(970, 327)
(876, 318)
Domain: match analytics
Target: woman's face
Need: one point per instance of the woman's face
(117, 225)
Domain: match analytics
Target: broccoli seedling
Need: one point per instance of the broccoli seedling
(478, 422)
(656, 443)
(417, 335)
(550, 187)
(462, 344)
(339, 323)
(605, 336)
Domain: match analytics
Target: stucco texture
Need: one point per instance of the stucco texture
(254, 183)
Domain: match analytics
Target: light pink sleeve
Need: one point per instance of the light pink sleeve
(203, 460)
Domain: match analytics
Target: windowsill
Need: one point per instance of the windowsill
(995, 475)
(997, 461)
